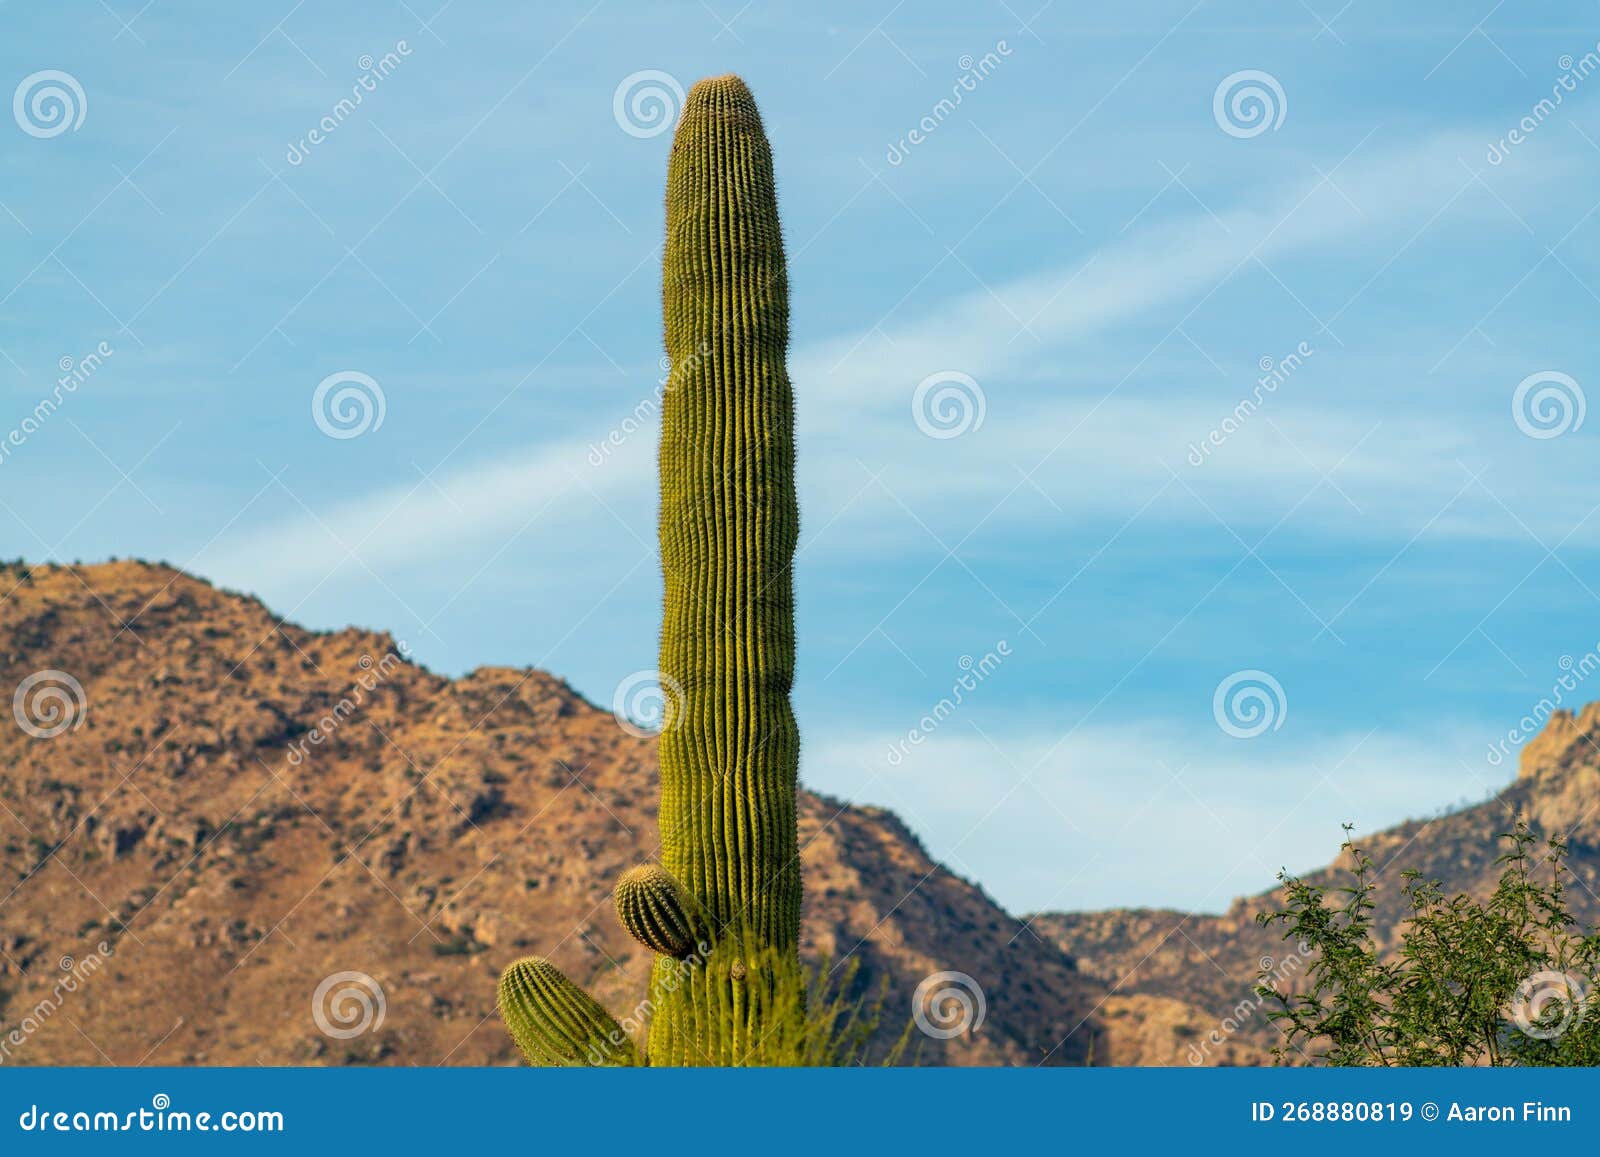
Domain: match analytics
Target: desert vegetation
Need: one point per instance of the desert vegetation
(1497, 980)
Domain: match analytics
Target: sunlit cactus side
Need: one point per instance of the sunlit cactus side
(652, 906)
(729, 523)
(556, 1023)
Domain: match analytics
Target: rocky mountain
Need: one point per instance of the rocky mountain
(1172, 979)
(225, 839)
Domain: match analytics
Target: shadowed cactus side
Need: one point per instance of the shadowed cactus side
(722, 912)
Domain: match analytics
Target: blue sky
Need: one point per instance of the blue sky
(1100, 249)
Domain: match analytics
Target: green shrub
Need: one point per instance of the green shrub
(1505, 980)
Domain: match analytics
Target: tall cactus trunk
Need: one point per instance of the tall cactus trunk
(722, 911)
(729, 523)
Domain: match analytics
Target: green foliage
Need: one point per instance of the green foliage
(1506, 980)
(826, 1017)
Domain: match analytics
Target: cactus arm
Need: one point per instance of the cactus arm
(652, 906)
(556, 1023)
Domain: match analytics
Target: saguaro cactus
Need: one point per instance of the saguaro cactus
(723, 910)
(729, 522)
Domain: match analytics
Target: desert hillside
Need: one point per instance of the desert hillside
(206, 813)
(237, 809)
(1165, 966)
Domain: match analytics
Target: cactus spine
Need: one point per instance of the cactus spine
(723, 911)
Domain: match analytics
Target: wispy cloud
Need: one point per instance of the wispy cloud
(1123, 448)
(538, 493)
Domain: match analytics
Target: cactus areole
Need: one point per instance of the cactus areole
(729, 522)
(722, 910)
